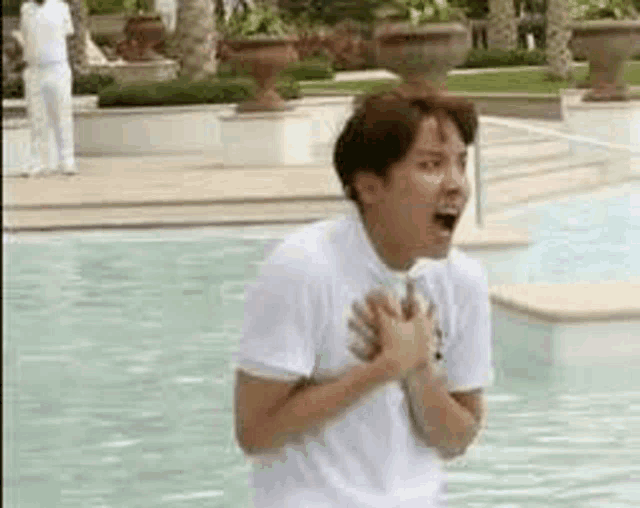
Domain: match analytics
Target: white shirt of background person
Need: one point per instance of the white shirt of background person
(46, 31)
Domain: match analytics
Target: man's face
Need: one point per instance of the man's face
(416, 213)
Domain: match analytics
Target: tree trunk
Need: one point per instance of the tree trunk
(194, 40)
(502, 32)
(559, 56)
(77, 43)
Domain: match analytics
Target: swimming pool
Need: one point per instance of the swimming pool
(117, 383)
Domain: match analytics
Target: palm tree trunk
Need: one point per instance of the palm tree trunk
(77, 43)
(194, 40)
(502, 32)
(558, 35)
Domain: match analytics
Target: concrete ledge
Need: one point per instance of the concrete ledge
(582, 325)
(139, 72)
(574, 303)
(514, 105)
(517, 105)
(522, 343)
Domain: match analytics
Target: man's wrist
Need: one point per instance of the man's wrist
(425, 372)
(392, 368)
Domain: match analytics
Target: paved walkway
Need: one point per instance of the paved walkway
(179, 191)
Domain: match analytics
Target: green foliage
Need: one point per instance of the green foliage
(474, 9)
(309, 70)
(13, 88)
(11, 7)
(96, 7)
(261, 20)
(331, 12)
(420, 11)
(183, 92)
(485, 58)
(589, 10)
(91, 84)
(305, 70)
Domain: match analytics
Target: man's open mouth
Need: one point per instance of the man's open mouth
(447, 220)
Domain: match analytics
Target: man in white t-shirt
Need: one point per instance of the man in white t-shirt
(324, 423)
(45, 26)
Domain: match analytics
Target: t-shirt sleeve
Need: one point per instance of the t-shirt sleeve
(279, 339)
(469, 360)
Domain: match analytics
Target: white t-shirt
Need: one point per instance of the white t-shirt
(296, 325)
(45, 29)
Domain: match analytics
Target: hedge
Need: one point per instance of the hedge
(312, 69)
(481, 58)
(90, 84)
(305, 70)
(181, 92)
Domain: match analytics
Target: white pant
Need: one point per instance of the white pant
(48, 94)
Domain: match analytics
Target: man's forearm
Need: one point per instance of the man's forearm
(317, 404)
(442, 422)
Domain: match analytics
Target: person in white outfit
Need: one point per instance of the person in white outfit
(45, 26)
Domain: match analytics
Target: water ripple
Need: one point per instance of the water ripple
(193, 495)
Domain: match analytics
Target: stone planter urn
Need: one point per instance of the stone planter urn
(422, 53)
(607, 45)
(143, 32)
(265, 57)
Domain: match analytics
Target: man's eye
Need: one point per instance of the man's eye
(428, 164)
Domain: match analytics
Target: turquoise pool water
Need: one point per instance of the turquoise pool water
(117, 384)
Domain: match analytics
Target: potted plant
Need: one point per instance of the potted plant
(144, 31)
(262, 42)
(421, 40)
(607, 32)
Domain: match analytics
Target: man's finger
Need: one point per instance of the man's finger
(383, 299)
(361, 331)
(363, 350)
(365, 316)
(359, 353)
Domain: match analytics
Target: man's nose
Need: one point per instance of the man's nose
(456, 178)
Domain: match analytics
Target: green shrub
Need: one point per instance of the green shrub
(181, 92)
(13, 88)
(312, 69)
(82, 85)
(117, 6)
(231, 69)
(91, 84)
(482, 58)
(305, 70)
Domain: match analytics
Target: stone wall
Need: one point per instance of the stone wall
(139, 72)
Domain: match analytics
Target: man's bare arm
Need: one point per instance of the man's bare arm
(268, 419)
(449, 422)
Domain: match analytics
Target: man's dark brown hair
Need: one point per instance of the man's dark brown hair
(384, 125)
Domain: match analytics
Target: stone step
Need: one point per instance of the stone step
(511, 138)
(161, 215)
(511, 173)
(535, 188)
(494, 157)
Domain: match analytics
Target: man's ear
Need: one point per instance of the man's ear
(367, 187)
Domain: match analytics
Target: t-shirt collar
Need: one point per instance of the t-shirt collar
(377, 268)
